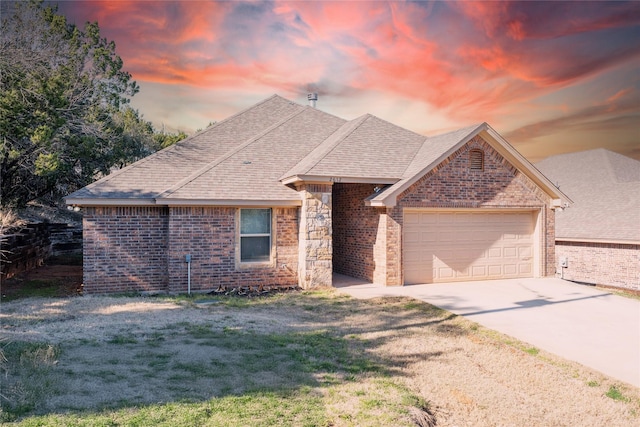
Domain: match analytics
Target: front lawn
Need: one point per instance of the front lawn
(295, 359)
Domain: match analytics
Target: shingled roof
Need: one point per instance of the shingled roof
(254, 158)
(605, 188)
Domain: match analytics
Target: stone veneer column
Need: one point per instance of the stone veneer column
(315, 265)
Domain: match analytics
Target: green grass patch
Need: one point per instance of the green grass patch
(264, 408)
(36, 288)
(25, 381)
(615, 394)
(122, 339)
(225, 372)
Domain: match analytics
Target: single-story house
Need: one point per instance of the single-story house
(598, 237)
(286, 194)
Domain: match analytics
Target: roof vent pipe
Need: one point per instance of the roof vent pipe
(313, 98)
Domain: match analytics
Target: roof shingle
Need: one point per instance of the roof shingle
(605, 188)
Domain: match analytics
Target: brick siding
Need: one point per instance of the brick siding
(453, 184)
(209, 235)
(355, 229)
(608, 264)
(125, 249)
(368, 240)
(143, 249)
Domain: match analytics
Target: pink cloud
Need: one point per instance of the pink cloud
(472, 61)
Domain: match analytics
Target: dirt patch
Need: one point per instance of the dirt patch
(124, 352)
(51, 280)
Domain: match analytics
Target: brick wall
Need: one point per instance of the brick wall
(607, 264)
(355, 231)
(142, 249)
(125, 249)
(454, 185)
(208, 234)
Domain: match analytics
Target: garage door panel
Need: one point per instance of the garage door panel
(510, 269)
(495, 270)
(510, 252)
(449, 246)
(525, 251)
(494, 253)
(525, 269)
(445, 272)
(478, 271)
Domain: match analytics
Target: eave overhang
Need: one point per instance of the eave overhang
(80, 201)
(321, 179)
(598, 241)
(179, 202)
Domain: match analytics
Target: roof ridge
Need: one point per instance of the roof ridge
(413, 158)
(225, 156)
(394, 125)
(180, 143)
(340, 134)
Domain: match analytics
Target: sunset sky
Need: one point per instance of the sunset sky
(551, 77)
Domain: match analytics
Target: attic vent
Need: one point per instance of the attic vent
(476, 160)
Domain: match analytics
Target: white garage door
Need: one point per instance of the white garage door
(458, 246)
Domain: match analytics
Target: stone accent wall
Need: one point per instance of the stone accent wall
(125, 249)
(453, 184)
(209, 235)
(608, 264)
(355, 231)
(315, 239)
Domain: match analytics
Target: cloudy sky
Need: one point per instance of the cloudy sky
(551, 77)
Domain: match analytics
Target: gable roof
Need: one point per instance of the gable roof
(367, 148)
(605, 187)
(436, 149)
(200, 168)
(253, 157)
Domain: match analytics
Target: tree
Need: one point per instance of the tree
(164, 139)
(64, 113)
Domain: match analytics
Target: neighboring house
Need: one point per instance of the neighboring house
(598, 237)
(286, 194)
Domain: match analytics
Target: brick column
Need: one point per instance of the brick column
(315, 265)
(387, 250)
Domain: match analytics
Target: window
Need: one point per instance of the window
(255, 235)
(476, 160)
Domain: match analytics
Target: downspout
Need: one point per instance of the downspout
(188, 261)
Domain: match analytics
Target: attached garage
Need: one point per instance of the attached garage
(462, 245)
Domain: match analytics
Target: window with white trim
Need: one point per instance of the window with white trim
(255, 235)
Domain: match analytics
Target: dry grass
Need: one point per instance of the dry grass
(338, 361)
(9, 219)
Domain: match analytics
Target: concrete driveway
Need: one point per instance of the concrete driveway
(577, 322)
